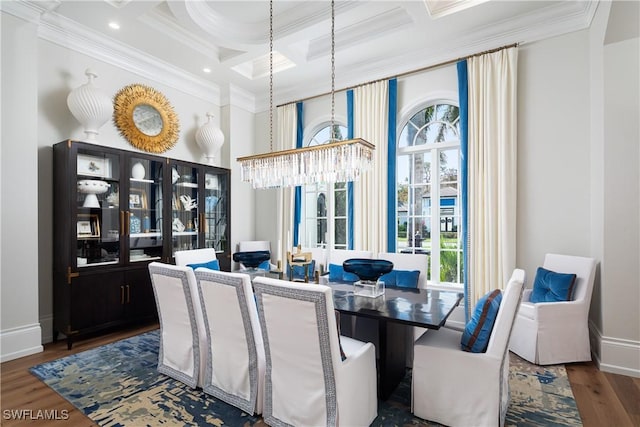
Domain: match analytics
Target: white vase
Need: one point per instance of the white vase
(138, 171)
(90, 106)
(209, 138)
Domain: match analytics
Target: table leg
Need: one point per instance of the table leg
(392, 357)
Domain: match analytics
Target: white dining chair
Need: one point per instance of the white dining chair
(459, 388)
(307, 382)
(235, 362)
(182, 330)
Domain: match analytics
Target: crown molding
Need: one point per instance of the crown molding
(237, 97)
(69, 34)
(29, 11)
(172, 29)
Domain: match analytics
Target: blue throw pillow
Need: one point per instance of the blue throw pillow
(407, 279)
(550, 286)
(211, 265)
(401, 278)
(265, 265)
(477, 332)
(389, 279)
(337, 274)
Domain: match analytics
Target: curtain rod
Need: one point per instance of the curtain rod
(406, 73)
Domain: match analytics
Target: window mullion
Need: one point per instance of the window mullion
(435, 216)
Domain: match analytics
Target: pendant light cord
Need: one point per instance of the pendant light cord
(271, 75)
(333, 72)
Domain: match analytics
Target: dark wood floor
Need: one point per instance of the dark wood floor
(603, 399)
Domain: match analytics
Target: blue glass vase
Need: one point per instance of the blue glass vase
(252, 259)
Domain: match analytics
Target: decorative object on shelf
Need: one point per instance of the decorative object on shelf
(134, 224)
(91, 188)
(188, 203)
(177, 225)
(336, 161)
(113, 199)
(368, 271)
(145, 118)
(146, 224)
(211, 182)
(209, 138)
(175, 176)
(138, 171)
(90, 106)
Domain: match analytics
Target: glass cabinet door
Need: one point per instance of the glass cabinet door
(215, 211)
(144, 209)
(98, 224)
(184, 208)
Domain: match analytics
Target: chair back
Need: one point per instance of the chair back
(499, 340)
(584, 269)
(235, 361)
(338, 256)
(302, 352)
(182, 330)
(194, 256)
(409, 262)
(254, 245)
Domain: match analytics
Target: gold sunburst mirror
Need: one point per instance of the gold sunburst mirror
(145, 118)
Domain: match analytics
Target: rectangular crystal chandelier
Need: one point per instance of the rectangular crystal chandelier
(338, 161)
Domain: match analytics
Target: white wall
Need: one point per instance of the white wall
(621, 272)
(20, 332)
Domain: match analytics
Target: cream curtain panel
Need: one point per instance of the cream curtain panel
(371, 104)
(287, 117)
(492, 162)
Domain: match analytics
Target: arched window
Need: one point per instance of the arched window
(324, 206)
(428, 190)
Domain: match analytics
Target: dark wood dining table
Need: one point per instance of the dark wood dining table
(394, 311)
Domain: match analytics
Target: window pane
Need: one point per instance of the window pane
(341, 231)
(341, 203)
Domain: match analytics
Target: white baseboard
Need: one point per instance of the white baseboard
(615, 355)
(21, 341)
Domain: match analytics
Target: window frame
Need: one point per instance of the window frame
(330, 196)
(435, 185)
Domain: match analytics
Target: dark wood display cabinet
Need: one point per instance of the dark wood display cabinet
(114, 212)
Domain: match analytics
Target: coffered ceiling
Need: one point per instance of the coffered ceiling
(176, 40)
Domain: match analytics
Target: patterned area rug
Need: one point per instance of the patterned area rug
(118, 385)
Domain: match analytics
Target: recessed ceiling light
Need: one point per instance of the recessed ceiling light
(114, 25)
(206, 70)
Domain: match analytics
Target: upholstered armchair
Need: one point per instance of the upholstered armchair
(307, 382)
(235, 362)
(182, 351)
(557, 332)
(461, 388)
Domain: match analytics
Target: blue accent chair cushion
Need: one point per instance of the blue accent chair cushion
(401, 278)
(337, 274)
(265, 265)
(211, 265)
(298, 271)
(550, 286)
(476, 334)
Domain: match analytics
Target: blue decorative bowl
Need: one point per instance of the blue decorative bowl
(367, 269)
(252, 259)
